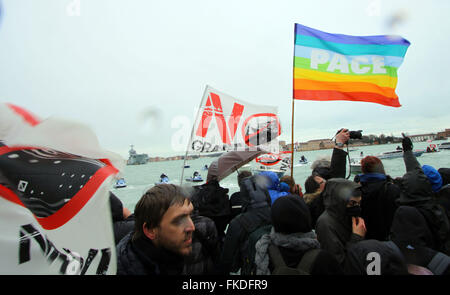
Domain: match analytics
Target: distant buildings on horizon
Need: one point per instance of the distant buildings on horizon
(326, 143)
(318, 144)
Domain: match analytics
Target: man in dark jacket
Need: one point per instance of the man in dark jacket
(256, 213)
(162, 235)
(340, 225)
(416, 191)
(379, 195)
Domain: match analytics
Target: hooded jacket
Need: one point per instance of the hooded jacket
(334, 227)
(378, 204)
(416, 191)
(273, 185)
(256, 212)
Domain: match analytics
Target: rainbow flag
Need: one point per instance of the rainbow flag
(342, 67)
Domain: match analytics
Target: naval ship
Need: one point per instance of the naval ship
(135, 158)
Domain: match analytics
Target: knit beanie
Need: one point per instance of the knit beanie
(371, 164)
(433, 176)
(290, 214)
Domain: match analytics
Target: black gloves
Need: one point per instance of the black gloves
(407, 144)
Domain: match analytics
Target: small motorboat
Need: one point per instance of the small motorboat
(205, 168)
(444, 146)
(355, 165)
(303, 160)
(432, 148)
(195, 178)
(397, 154)
(187, 166)
(163, 179)
(120, 183)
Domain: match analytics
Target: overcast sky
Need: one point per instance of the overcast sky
(131, 69)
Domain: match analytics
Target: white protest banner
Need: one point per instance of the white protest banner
(55, 216)
(275, 161)
(225, 123)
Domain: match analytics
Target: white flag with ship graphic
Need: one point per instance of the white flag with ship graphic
(225, 123)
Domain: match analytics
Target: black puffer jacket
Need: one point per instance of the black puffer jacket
(334, 227)
(205, 247)
(256, 213)
(141, 257)
(416, 191)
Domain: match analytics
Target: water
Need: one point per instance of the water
(139, 178)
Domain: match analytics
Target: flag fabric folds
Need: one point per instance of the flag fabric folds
(342, 67)
(55, 216)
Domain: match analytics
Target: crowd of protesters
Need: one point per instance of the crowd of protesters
(373, 224)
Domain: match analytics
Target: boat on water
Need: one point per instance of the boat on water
(355, 165)
(432, 148)
(120, 183)
(135, 158)
(205, 168)
(196, 177)
(444, 146)
(397, 154)
(163, 179)
(303, 160)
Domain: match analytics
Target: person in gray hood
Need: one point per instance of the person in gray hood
(340, 225)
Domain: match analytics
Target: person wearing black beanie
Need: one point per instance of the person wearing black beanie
(292, 234)
(291, 215)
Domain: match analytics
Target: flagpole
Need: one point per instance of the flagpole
(292, 140)
(192, 133)
(293, 95)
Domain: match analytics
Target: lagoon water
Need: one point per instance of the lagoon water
(139, 178)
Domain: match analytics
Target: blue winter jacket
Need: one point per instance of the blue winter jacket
(273, 185)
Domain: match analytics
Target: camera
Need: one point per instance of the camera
(356, 134)
(353, 134)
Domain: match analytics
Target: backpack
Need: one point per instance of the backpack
(253, 232)
(248, 265)
(304, 267)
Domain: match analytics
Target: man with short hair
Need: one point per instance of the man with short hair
(162, 236)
